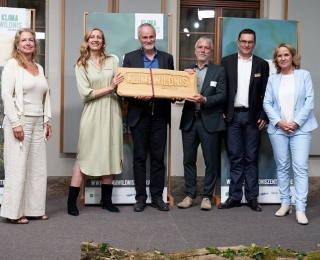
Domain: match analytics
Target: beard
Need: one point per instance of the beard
(203, 57)
(148, 47)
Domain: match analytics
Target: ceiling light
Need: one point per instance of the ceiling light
(205, 14)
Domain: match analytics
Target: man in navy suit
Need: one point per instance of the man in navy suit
(148, 118)
(247, 77)
(201, 123)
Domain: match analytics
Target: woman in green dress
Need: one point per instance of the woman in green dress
(100, 145)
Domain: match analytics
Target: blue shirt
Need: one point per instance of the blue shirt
(150, 63)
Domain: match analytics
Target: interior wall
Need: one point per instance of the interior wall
(172, 7)
(275, 9)
(58, 164)
(307, 12)
(140, 6)
(74, 29)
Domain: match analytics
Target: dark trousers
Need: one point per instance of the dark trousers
(191, 139)
(243, 140)
(149, 135)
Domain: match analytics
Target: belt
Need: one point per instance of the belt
(241, 109)
(197, 113)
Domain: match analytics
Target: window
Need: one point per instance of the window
(200, 18)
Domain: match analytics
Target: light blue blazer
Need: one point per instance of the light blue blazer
(303, 101)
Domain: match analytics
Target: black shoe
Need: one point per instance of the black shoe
(106, 198)
(73, 209)
(159, 205)
(72, 201)
(254, 204)
(229, 203)
(139, 206)
(111, 208)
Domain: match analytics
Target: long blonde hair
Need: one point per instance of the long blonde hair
(85, 49)
(16, 54)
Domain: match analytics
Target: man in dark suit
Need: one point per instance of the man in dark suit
(148, 118)
(247, 77)
(201, 122)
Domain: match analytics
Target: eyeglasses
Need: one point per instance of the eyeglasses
(243, 42)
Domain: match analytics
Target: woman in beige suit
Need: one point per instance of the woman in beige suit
(25, 94)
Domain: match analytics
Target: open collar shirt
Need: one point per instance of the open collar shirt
(244, 73)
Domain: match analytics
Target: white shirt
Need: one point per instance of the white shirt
(244, 74)
(286, 97)
(34, 89)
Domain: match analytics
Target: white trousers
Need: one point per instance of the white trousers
(25, 170)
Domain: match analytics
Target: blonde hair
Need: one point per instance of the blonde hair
(85, 49)
(16, 54)
(295, 56)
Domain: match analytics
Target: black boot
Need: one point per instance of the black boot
(106, 194)
(72, 201)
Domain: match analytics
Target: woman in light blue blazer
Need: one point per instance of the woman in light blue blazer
(288, 103)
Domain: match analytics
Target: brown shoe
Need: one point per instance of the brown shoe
(21, 220)
(187, 203)
(206, 204)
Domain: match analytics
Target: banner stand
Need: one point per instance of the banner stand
(269, 34)
(123, 184)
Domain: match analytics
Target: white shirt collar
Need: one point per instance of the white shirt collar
(239, 57)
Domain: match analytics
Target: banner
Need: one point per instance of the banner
(269, 33)
(121, 35)
(11, 20)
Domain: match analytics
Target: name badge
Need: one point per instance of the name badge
(257, 75)
(213, 83)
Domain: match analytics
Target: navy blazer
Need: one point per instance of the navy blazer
(134, 59)
(257, 88)
(303, 101)
(214, 89)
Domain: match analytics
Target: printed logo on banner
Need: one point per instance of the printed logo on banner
(155, 19)
(11, 19)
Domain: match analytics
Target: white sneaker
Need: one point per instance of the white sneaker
(284, 210)
(206, 204)
(187, 203)
(301, 217)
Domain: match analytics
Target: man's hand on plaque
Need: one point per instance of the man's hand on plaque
(190, 71)
(197, 99)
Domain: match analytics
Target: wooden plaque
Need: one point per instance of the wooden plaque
(166, 83)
